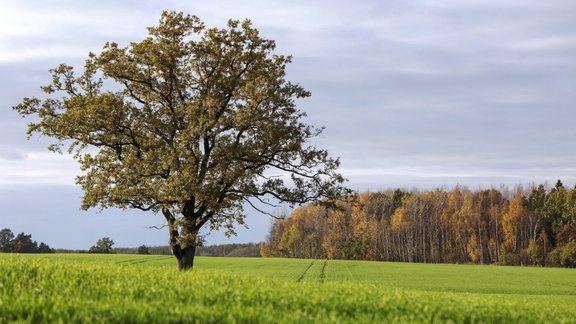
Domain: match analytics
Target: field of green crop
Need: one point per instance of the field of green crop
(135, 288)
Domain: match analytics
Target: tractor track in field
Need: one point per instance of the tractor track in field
(323, 271)
(305, 271)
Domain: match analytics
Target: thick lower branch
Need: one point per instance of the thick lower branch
(174, 234)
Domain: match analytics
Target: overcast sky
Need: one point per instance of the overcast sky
(413, 94)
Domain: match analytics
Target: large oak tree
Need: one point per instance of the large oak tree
(191, 122)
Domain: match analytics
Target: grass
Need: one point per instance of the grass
(133, 288)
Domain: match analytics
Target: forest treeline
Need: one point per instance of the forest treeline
(21, 243)
(221, 250)
(532, 225)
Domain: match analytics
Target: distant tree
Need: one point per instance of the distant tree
(473, 248)
(535, 203)
(554, 211)
(566, 234)
(534, 252)
(568, 255)
(143, 249)
(6, 237)
(44, 248)
(272, 248)
(570, 208)
(544, 242)
(511, 224)
(23, 244)
(554, 256)
(200, 120)
(103, 245)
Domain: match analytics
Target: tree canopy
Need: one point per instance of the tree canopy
(193, 122)
(6, 238)
(103, 245)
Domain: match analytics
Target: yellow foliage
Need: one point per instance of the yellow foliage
(400, 219)
(473, 248)
(511, 221)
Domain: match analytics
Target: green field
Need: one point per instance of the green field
(135, 288)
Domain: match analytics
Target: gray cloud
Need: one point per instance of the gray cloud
(11, 154)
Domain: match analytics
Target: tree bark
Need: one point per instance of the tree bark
(186, 258)
(184, 255)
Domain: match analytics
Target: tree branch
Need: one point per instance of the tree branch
(157, 226)
(260, 210)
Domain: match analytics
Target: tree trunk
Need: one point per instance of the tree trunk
(184, 255)
(186, 258)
